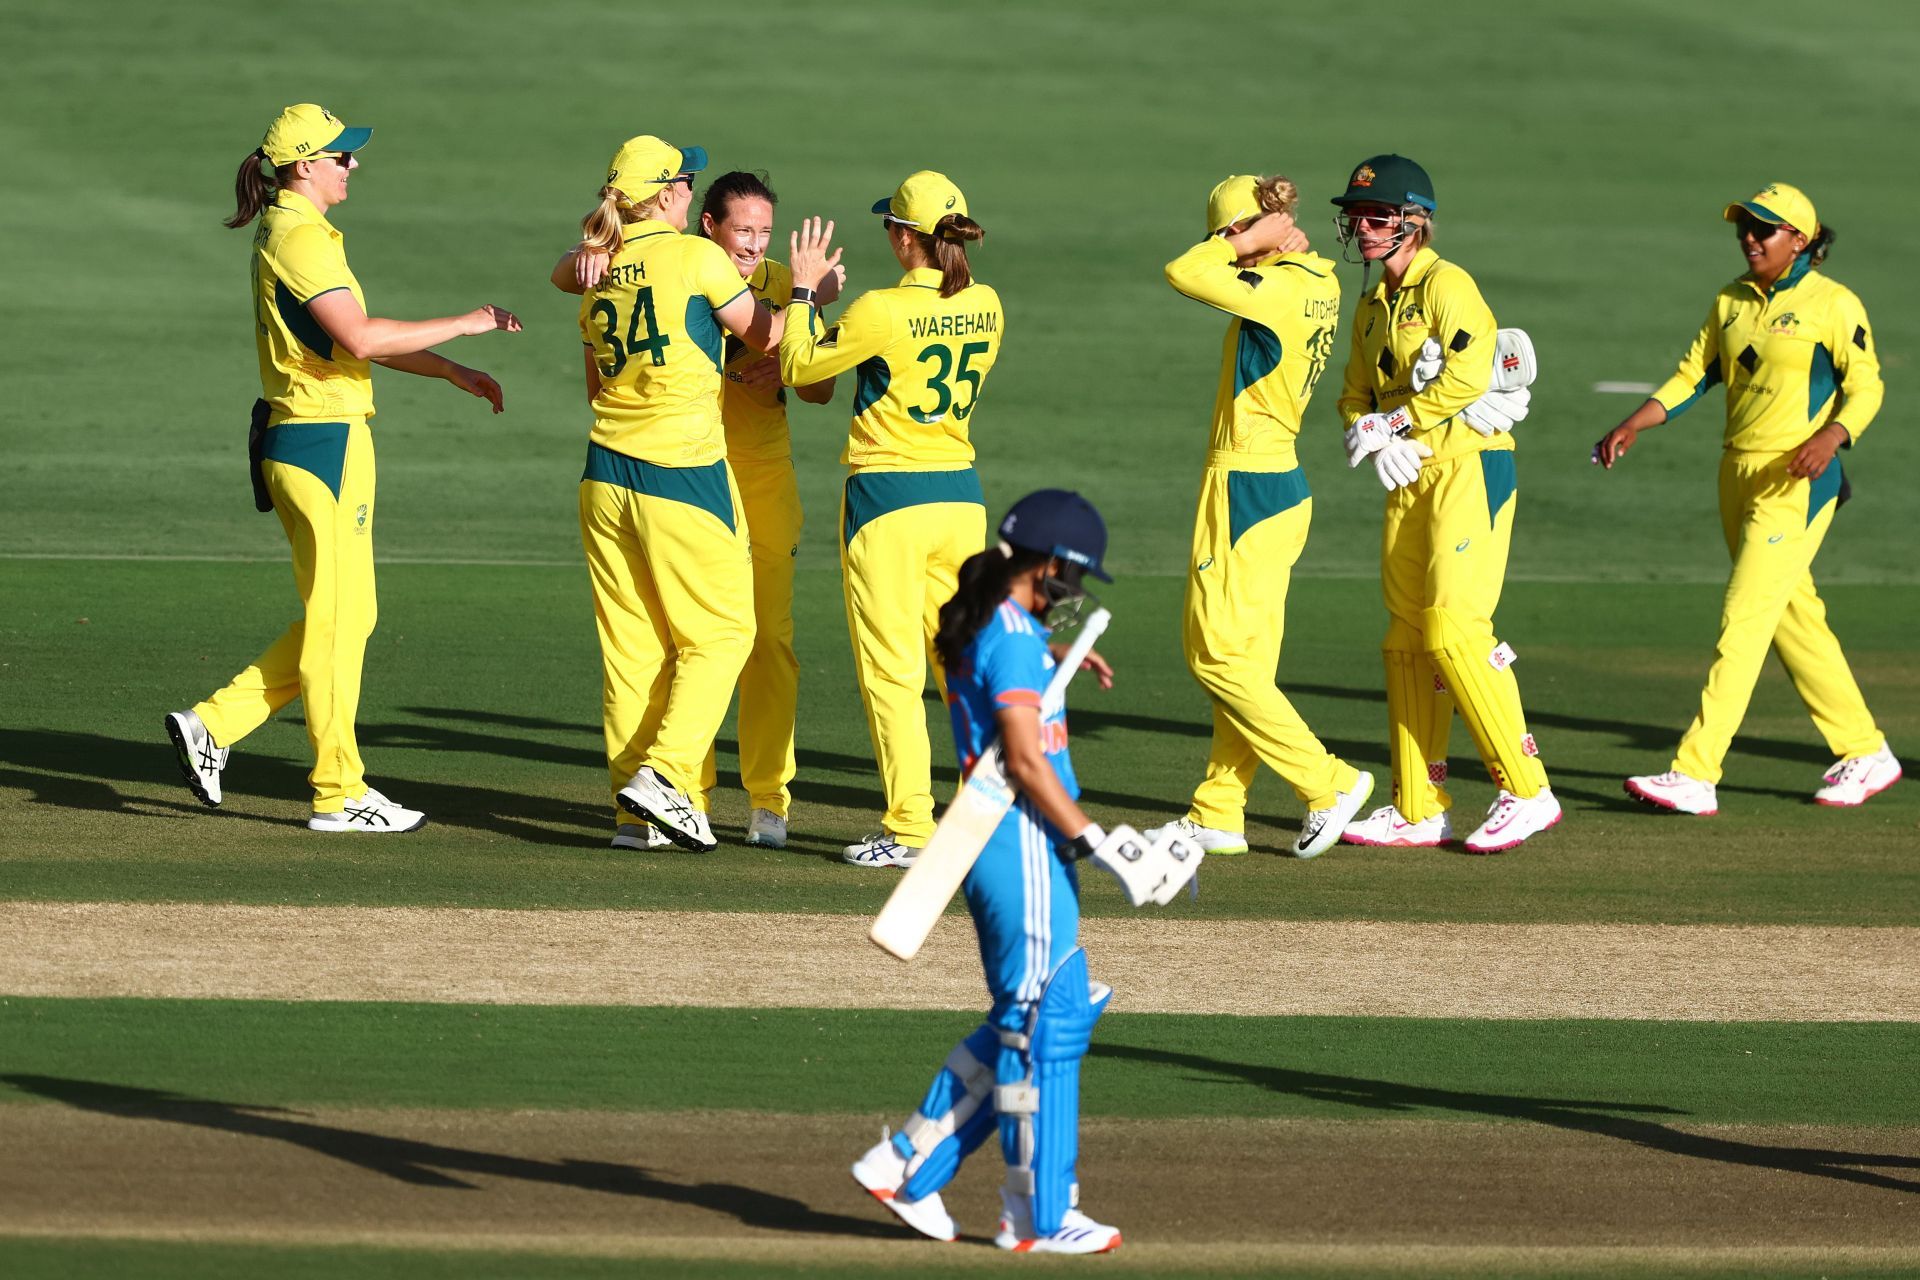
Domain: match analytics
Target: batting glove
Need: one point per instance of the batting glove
(1497, 411)
(1398, 464)
(1372, 433)
(1427, 365)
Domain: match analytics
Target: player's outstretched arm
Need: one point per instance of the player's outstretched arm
(366, 337)
(431, 364)
(1614, 445)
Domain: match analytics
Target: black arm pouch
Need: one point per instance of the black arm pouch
(256, 453)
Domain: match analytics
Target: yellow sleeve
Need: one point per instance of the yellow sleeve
(1856, 367)
(1356, 385)
(310, 262)
(1465, 328)
(1206, 274)
(715, 278)
(1699, 368)
(812, 352)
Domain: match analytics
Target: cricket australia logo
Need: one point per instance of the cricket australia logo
(1787, 324)
(360, 519)
(1362, 177)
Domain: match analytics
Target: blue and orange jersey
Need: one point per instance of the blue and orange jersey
(1007, 665)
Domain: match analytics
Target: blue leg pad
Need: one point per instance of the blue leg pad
(953, 1119)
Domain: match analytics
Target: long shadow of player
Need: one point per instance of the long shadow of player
(1580, 1116)
(431, 1164)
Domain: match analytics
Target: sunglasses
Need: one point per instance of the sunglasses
(1372, 221)
(1759, 230)
(681, 179)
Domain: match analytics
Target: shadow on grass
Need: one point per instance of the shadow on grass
(430, 1164)
(1598, 1118)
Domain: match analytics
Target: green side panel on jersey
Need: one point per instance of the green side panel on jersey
(1258, 355)
(873, 494)
(317, 447)
(1254, 496)
(702, 487)
(1497, 472)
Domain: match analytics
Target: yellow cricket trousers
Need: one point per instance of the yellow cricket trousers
(903, 537)
(1250, 529)
(1443, 562)
(1774, 526)
(673, 599)
(770, 682)
(321, 477)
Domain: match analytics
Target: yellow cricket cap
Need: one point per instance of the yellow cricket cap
(922, 200)
(1777, 203)
(304, 131)
(1235, 200)
(645, 164)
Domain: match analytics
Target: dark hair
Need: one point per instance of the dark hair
(254, 190)
(985, 579)
(728, 187)
(1818, 247)
(946, 249)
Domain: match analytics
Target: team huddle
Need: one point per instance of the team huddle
(690, 519)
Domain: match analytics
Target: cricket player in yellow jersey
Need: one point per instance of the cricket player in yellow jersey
(313, 457)
(913, 509)
(1419, 399)
(1797, 356)
(1256, 266)
(660, 515)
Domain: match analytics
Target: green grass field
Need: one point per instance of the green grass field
(1581, 157)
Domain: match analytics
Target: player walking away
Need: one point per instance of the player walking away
(1416, 400)
(913, 510)
(1020, 1068)
(1251, 527)
(313, 463)
(1796, 353)
(660, 513)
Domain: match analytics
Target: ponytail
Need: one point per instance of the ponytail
(600, 229)
(984, 581)
(1276, 194)
(1818, 247)
(253, 190)
(946, 249)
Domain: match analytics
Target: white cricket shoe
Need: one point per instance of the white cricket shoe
(1512, 820)
(1858, 779)
(879, 851)
(370, 814)
(882, 1172)
(669, 809)
(1212, 840)
(639, 835)
(1077, 1233)
(1675, 791)
(1384, 828)
(766, 829)
(201, 759)
(1320, 829)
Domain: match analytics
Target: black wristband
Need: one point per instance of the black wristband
(808, 296)
(1080, 847)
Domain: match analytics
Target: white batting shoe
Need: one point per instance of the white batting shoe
(1077, 1232)
(1320, 829)
(879, 851)
(1858, 779)
(370, 814)
(1384, 828)
(766, 829)
(669, 809)
(1212, 840)
(639, 835)
(1674, 791)
(201, 760)
(881, 1172)
(1512, 821)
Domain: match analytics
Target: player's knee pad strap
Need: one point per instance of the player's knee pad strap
(953, 1120)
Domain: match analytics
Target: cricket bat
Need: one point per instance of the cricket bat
(985, 795)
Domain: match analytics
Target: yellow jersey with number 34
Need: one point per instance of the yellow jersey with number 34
(1285, 315)
(653, 336)
(920, 361)
(297, 256)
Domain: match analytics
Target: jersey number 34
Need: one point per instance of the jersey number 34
(652, 341)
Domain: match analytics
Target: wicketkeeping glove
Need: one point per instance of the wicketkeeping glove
(1497, 411)
(1398, 464)
(1371, 433)
(1427, 365)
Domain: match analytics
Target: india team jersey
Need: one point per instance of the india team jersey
(1007, 665)
(1285, 315)
(651, 328)
(297, 256)
(921, 362)
(756, 420)
(1435, 300)
(1792, 358)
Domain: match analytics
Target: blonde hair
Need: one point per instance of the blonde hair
(1276, 194)
(600, 229)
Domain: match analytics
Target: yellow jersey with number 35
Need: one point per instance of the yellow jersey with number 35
(920, 361)
(653, 336)
(297, 256)
(1285, 316)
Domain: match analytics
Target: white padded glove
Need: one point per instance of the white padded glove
(1371, 433)
(1147, 872)
(1513, 364)
(1427, 365)
(1497, 411)
(1398, 464)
